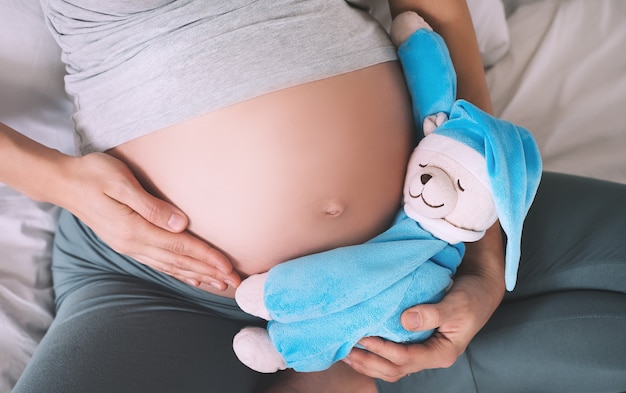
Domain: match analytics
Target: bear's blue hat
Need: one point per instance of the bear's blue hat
(513, 169)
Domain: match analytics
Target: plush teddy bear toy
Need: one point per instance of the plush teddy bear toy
(469, 170)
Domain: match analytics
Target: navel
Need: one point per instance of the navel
(333, 207)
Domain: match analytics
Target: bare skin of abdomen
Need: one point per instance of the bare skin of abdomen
(289, 173)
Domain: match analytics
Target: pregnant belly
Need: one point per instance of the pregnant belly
(289, 173)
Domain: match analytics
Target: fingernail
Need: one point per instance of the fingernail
(230, 283)
(216, 285)
(192, 282)
(347, 361)
(176, 222)
(413, 320)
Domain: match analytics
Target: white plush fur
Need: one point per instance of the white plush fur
(253, 347)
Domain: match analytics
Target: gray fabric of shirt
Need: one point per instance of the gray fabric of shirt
(138, 66)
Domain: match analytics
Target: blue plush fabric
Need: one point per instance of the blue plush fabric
(322, 304)
(513, 165)
(429, 74)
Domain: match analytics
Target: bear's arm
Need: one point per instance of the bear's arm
(429, 74)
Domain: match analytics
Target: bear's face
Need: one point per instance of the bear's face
(446, 198)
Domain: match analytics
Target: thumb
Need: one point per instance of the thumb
(422, 317)
(155, 210)
(161, 213)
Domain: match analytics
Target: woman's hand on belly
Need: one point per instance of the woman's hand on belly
(103, 192)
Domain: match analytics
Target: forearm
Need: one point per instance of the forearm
(484, 260)
(30, 167)
(452, 20)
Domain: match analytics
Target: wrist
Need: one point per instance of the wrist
(60, 172)
(28, 166)
(484, 260)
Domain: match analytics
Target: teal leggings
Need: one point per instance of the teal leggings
(122, 327)
(563, 328)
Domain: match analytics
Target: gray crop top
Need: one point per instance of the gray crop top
(137, 66)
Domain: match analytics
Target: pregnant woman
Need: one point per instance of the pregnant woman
(281, 128)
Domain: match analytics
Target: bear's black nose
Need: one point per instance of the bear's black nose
(425, 178)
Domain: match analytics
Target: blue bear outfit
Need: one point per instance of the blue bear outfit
(322, 304)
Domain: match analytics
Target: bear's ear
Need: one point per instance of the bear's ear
(433, 121)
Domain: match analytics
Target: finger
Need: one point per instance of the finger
(172, 264)
(189, 281)
(155, 210)
(374, 366)
(436, 352)
(191, 277)
(205, 270)
(424, 316)
(394, 352)
(455, 312)
(174, 253)
(198, 251)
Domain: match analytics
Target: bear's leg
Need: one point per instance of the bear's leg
(255, 349)
(250, 296)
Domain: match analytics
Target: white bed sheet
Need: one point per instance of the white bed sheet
(564, 78)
